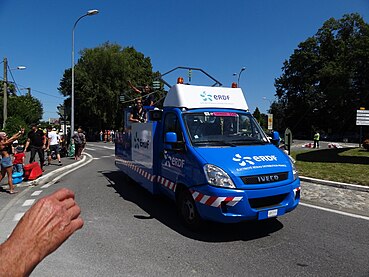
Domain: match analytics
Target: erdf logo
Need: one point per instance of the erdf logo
(242, 161)
(170, 161)
(167, 159)
(140, 143)
(206, 97)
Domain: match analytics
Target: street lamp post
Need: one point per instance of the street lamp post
(5, 90)
(239, 75)
(90, 12)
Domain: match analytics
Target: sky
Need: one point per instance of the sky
(218, 36)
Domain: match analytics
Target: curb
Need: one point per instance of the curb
(335, 184)
(49, 176)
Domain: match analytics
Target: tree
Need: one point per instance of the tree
(261, 118)
(101, 76)
(326, 79)
(26, 107)
(22, 111)
(11, 88)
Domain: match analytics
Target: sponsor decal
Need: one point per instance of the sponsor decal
(170, 161)
(206, 97)
(214, 97)
(242, 161)
(221, 97)
(224, 114)
(140, 143)
(256, 162)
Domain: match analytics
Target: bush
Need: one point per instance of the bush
(366, 144)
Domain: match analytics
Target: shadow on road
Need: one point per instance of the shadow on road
(164, 210)
(331, 156)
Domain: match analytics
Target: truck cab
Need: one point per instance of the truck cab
(206, 152)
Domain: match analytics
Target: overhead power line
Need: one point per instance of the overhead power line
(33, 90)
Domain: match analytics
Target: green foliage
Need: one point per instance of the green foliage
(257, 114)
(11, 87)
(13, 125)
(340, 165)
(326, 79)
(26, 107)
(22, 111)
(101, 76)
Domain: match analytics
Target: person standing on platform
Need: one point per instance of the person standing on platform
(146, 94)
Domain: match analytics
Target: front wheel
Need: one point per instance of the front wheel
(187, 210)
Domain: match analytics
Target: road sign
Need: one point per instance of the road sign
(362, 117)
(270, 121)
(156, 85)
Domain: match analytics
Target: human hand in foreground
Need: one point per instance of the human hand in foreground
(42, 229)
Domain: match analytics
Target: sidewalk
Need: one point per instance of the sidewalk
(54, 168)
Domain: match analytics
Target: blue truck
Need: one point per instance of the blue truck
(206, 152)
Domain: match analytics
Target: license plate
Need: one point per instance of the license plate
(272, 213)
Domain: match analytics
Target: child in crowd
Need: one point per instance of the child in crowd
(18, 159)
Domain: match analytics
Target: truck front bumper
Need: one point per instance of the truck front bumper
(233, 205)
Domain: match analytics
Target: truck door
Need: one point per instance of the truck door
(172, 158)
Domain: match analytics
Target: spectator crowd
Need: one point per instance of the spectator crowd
(48, 144)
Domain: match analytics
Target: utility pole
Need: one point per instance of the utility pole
(5, 93)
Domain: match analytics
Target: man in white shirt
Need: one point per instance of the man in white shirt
(53, 145)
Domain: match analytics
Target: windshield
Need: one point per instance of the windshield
(223, 129)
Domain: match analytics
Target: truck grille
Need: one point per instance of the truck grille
(265, 178)
(265, 202)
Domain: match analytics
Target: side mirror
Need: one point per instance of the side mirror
(155, 115)
(172, 143)
(275, 138)
(170, 137)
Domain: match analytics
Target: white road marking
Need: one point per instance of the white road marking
(18, 216)
(102, 157)
(69, 171)
(28, 202)
(36, 193)
(46, 186)
(100, 147)
(335, 211)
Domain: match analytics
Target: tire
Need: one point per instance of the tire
(187, 210)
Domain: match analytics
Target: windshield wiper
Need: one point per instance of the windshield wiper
(248, 141)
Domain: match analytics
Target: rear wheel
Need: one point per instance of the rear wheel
(187, 210)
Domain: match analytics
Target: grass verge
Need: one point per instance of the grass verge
(348, 165)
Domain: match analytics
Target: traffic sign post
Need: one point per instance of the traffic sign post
(270, 121)
(362, 119)
(288, 140)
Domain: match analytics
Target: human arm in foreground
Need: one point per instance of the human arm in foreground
(42, 229)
